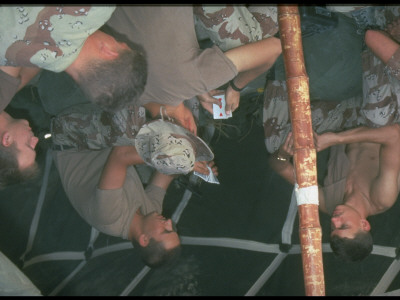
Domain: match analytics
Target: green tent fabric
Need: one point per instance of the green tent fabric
(333, 62)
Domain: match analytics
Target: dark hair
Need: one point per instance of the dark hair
(113, 84)
(155, 255)
(9, 170)
(355, 249)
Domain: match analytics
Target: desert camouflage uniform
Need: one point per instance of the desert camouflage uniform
(381, 88)
(378, 106)
(325, 115)
(86, 126)
(231, 26)
(48, 37)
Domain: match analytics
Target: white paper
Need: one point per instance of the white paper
(211, 178)
(219, 110)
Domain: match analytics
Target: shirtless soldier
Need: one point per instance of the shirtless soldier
(362, 180)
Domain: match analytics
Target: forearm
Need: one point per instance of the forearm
(244, 78)
(381, 135)
(284, 168)
(161, 180)
(25, 74)
(260, 54)
(114, 171)
(381, 44)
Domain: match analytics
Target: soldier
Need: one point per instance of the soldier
(68, 38)
(96, 154)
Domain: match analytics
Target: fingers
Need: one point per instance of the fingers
(201, 167)
(216, 92)
(209, 96)
(232, 103)
(207, 106)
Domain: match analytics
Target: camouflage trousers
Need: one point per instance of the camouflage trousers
(85, 126)
(378, 106)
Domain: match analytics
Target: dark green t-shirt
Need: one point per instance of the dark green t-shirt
(333, 62)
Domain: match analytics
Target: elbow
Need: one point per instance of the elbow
(395, 133)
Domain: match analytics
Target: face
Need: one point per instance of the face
(161, 229)
(346, 222)
(19, 133)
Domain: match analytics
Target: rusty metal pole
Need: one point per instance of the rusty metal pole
(304, 158)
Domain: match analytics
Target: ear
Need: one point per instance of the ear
(143, 240)
(107, 52)
(365, 225)
(6, 139)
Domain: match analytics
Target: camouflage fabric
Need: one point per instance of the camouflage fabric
(48, 37)
(325, 115)
(86, 126)
(381, 89)
(231, 26)
(378, 106)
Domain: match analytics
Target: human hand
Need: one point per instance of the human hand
(286, 150)
(184, 117)
(232, 99)
(323, 141)
(207, 100)
(201, 167)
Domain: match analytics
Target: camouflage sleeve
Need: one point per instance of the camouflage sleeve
(48, 37)
(88, 127)
(231, 26)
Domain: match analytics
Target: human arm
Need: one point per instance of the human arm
(381, 44)
(207, 99)
(251, 60)
(280, 161)
(180, 113)
(381, 135)
(201, 167)
(25, 74)
(114, 171)
(11, 82)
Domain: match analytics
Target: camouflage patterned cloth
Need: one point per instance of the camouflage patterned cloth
(325, 115)
(381, 89)
(86, 126)
(378, 106)
(48, 37)
(232, 26)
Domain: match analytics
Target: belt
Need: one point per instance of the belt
(62, 147)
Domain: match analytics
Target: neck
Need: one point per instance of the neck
(86, 52)
(359, 202)
(136, 226)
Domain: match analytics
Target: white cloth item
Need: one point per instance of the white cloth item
(13, 282)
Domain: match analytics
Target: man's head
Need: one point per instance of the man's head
(158, 242)
(17, 150)
(351, 239)
(109, 72)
